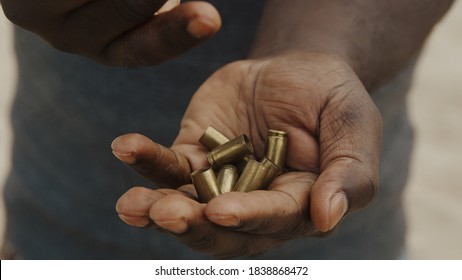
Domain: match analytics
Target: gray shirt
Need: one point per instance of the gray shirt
(64, 182)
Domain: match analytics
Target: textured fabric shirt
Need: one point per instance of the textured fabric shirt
(64, 182)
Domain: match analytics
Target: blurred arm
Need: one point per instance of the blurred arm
(377, 38)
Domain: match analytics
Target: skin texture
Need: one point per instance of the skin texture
(334, 132)
(309, 73)
(313, 62)
(118, 32)
(376, 38)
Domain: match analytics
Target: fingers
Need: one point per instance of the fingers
(125, 32)
(30, 13)
(176, 213)
(119, 32)
(163, 166)
(281, 212)
(185, 218)
(165, 36)
(134, 206)
(92, 25)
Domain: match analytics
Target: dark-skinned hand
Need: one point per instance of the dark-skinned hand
(118, 32)
(334, 141)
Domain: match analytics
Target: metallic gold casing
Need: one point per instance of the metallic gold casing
(227, 178)
(256, 176)
(231, 152)
(243, 163)
(272, 171)
(212, 138)
(276, 146)
(206, 185)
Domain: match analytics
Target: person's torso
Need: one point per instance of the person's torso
(65, 181)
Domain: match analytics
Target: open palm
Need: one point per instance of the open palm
(334, 139)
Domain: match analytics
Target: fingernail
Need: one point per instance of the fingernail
(168, 6)
(226, 221)
(135, 221)
(201, 27)
(338, 208)
(119, 150)
(128, 158)
(177, 226)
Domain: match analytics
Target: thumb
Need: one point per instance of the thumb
(163, 166)
(350, 134)
(345, 186)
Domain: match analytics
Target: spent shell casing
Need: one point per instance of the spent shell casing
(256, 176)
(227, 178)
(276, 146)
(243, 163)
(212, 138)
(272, 171)
(205, 183)
(230, 152)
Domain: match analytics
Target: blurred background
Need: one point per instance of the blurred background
(434, 195)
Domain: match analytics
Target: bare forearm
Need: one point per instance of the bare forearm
(377, 38)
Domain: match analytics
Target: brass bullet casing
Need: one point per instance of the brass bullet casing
(231, 152)
(256, 176)
(243, 163)
(272, 171)
(276, 146)
(212, 138)
(206, 185)
(227, 178)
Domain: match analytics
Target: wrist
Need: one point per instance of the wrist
(377, 40)
(326, 62)
(366, 73)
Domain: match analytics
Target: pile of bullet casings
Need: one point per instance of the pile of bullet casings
(235, 164)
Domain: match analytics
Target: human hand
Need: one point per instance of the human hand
(334, 141)
(118, 32)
